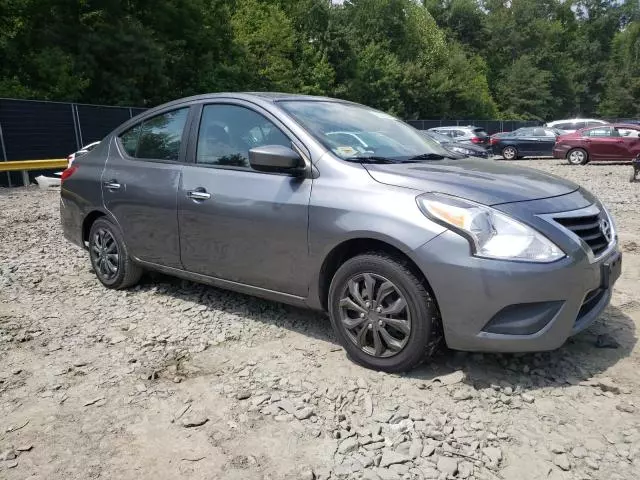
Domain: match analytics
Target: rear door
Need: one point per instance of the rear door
(604, 143)
(545, 140)
(526, 142)
(248, 227)
(140, 183)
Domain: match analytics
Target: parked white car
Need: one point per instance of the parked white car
(572, 124)
(82, 151)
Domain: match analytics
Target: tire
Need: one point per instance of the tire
(412, 332)
(509, 153)
(577, 156)
(110, 257)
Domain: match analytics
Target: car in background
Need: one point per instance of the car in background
(616, 142)
(84, 150)
(467, 134)
(573, 124)
(466, 149)
(525, 142)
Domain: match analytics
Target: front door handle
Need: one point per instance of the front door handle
(199, 194)
(112, 185)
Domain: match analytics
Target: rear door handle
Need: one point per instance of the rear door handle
(112, 185)
(199, 194)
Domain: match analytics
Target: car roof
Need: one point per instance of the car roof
(574, 120)
(454, 127)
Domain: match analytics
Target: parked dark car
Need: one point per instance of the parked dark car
(252, 193)
(464, 134)
(618, 142)
(465, 149)
(525, 142)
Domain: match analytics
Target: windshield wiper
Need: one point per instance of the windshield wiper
(370, 159)
(428, 156)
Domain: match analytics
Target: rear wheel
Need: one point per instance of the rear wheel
(509, 153)
(577, 156)
(382, 313)
(109, 256)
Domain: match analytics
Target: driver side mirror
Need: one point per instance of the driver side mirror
(276, 159)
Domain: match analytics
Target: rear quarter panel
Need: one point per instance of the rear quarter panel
(81, 193)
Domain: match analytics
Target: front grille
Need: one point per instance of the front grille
(593, 229)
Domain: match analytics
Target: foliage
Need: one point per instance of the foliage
(539, 59)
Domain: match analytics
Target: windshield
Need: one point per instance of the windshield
(354, 132)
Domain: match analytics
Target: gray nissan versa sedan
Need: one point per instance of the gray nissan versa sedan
(279, 196)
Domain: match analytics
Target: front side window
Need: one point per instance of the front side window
(598, 132)
(161, 136)
(371, 133)
(228, 132)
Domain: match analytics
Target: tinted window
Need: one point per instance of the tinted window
(161, 136)
(579, 125)
(591, 124)
(228, 132)
(564, 126)
(129, 140)
(458, 133)
(479, 132)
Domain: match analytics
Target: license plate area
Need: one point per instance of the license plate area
(610, 271)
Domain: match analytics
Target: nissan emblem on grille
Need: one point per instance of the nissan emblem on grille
(605, 228)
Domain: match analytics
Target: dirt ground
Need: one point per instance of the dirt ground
(177, 380)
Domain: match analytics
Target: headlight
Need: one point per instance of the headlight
(491, 234)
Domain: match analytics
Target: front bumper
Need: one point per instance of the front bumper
(539, 305)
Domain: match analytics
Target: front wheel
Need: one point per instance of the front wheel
(109, 256)
(382, 313)
(509, 153)
(577, 156)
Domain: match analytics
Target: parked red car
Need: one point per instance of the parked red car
(617, 142)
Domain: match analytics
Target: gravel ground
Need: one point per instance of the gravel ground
(176, 380)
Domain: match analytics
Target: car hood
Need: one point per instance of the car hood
(482, 181)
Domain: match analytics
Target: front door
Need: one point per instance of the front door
(140, 183)
(236, 223)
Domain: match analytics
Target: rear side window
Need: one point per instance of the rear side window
(539, 132)
(564, 126)
(129, 140)
(161, 136)
(579, 125)
(479, 132)
(524, 132)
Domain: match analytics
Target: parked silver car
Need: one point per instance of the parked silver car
(401, 245)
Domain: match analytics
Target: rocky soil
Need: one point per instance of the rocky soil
(177, 380)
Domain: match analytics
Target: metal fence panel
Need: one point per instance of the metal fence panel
(95, 122)
(37, 130)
